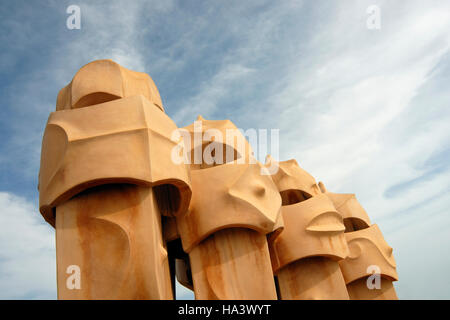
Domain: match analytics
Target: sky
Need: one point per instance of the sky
(364, 110)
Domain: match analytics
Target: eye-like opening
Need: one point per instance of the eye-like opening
(293, 196)
(354, 224)
(94, 98)
(209, 155)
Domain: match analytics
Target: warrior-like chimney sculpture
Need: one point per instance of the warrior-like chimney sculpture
(130, 220)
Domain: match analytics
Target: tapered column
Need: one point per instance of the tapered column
(234, 205)
(232, 264)
(370, 269)
(106, 178)
(315, 278)
(358, 290)
(113, 234)
(305, 254)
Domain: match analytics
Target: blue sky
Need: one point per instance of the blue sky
(365, 111)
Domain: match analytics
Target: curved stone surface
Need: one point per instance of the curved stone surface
(104, 80)
(368, 248)
(233, 263)
(112, 233)
(312, 228)
(122, 141)
(290, 176)
(348, 206)
(238, 196)
(216, 136)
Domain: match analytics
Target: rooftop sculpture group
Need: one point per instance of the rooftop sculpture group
(131, 220)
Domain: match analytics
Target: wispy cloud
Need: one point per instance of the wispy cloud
(27, 252)
(364, 111)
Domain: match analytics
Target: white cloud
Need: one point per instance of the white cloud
(27, 251)
(421, 245)
(205, 101)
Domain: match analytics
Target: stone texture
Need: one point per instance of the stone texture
(133, 220)
(105, 180)
(306, 252)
